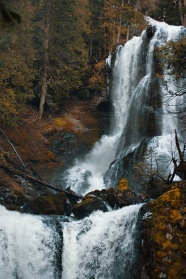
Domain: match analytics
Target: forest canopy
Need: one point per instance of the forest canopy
(58, 50)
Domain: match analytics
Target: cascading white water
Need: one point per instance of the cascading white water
(164, 146)
(27, 247)
(101, 246)
(97, 250)
(87, 175)
(134, 87)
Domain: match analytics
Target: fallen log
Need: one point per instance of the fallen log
(46, 190)
(36, 180)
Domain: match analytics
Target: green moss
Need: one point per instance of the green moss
(84, 202)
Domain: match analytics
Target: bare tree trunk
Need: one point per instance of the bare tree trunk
(46, 62)
(179, 149)
(43, 88)
(128, 33)
(179, 167)
(120, 22)
(182, 11)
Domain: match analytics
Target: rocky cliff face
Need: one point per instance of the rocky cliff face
(164, 235)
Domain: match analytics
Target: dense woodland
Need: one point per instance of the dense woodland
(51, 50)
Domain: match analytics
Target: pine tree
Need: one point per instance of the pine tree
(96, 36)
(16, 71)
(119, 18)
(168, 11)
(173, 57)
(182, 11)
(62, 54)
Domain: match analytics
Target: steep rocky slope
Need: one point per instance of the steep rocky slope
(45, 146)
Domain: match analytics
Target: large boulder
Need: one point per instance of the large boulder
(119, 197)
(127, 197)
(49, 205)
(88, 205)
(164, 235)
(100, 200)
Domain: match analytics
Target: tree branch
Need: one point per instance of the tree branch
(179, 149)
(11, 144)
(36, 180)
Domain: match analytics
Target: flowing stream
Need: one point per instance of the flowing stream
(103, 245)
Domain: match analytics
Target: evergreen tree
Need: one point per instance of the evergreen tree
(168, 11)
(96, 36)
(182, 11)
(62, 55)
(119, 18)
(173, 56)
(16, 71)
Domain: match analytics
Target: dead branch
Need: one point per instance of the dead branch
(47, 191)
(13, 147)
(36, 180)
(179, 149)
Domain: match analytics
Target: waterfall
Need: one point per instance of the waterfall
(102, 246)
(27, 247)
(138, 97)
(109, 254)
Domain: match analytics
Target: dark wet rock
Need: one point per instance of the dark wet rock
(127, 197)
(65, 145)
(103, 106)
(116, 198)
(99, 194)
(52, 205)
(150, 31)
(13, 199)
(88, 205)
(112, 198)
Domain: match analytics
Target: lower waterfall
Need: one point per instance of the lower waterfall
(102, 246)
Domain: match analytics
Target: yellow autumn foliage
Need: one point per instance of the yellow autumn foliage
(123, 185)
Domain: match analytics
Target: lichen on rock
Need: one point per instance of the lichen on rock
(163, 234)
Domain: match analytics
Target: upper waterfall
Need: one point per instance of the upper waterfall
(138, 95)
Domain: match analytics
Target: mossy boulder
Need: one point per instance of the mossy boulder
(99, 200)
(87, 206)
(164, 236)
(49, 205)
(119, 197)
